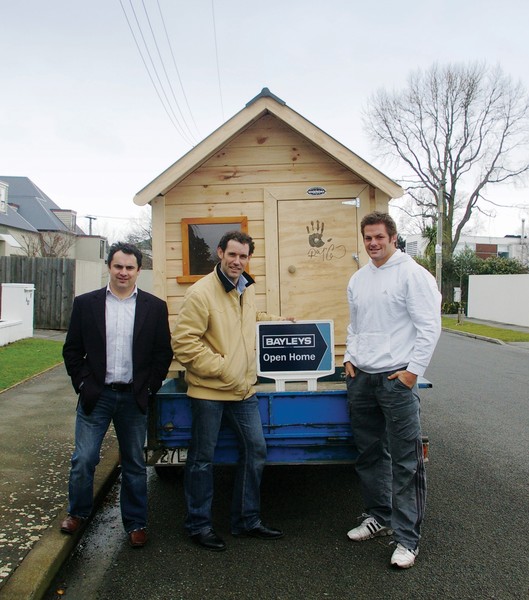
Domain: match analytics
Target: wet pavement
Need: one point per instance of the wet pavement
(36, 441)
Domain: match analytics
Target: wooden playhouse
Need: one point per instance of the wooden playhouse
(297, 191)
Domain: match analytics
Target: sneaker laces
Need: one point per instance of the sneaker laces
(395, 543)
(364, 516)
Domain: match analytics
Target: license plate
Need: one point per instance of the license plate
(173, 456)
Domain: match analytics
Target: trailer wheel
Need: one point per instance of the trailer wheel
(169, 472)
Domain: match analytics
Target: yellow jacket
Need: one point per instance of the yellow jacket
(214, 339)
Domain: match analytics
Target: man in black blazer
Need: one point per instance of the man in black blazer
(117, 353)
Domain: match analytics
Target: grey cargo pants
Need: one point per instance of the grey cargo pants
(386, 426)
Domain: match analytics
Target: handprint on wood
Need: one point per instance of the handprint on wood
(316, 234)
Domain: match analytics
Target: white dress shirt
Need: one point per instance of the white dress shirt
(119, 318)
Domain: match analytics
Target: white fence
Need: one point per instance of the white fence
(502, 298)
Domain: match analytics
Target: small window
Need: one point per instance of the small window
(3, 197)
(412, 248)
(200, 238)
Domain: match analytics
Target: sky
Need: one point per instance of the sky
(80, 116)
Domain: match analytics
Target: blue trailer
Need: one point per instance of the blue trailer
(300, 426)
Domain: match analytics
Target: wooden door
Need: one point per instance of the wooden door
(317, 246)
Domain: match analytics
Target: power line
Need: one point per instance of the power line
(176, 68)
(95, 217)
(174, 120)
(181, 130)
(217, 56)
(165, 70)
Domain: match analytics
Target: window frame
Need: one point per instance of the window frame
(3, 197)
(186, 276)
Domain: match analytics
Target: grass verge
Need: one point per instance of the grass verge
(25, 358)
(498, 333)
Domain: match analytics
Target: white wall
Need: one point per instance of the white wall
(89, 248)
(10, 245)
(16, 312)
(502, 298)
(416, 245)
(145, 280)
(89, 276)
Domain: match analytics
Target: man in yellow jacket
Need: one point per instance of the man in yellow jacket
(214, 339)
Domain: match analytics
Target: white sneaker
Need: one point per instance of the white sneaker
(369, 528)
(403, 557)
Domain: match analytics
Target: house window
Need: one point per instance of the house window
(200, 238)
(3, 197)
(412, 248)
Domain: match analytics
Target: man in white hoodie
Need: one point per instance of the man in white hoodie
(395, 323)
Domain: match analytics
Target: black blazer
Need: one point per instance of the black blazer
(84, 350)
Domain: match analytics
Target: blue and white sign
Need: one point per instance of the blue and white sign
(295, 351)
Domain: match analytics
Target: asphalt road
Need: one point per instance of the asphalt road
(474, 538)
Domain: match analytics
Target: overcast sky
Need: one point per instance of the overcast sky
(80, 117)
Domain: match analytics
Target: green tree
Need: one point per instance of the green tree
(496, 265)
(429, 233)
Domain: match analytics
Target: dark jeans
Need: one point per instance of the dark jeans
(131, 427)
(387, 431)
(245, 420)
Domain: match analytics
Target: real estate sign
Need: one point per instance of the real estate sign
(295, 351)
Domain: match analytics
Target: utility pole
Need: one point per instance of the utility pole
(439, 244)
(90, 219)
(523, 245)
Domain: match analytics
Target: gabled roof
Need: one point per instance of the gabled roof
(34, 206)
(12, 218)
(264, 103)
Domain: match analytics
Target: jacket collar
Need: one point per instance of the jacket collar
(227, 284)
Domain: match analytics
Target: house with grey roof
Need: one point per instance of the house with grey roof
(11, 222)
(43, 249)
(32, 224)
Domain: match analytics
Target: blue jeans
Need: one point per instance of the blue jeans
(390, 465)
(130, 425)
(244, 418)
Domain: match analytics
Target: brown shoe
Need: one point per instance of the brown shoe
(138, 538)
(71, 524)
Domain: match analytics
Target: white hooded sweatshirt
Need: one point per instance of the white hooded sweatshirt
(395, 316)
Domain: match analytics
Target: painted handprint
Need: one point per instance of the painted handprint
(316, 234)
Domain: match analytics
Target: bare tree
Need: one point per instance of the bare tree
(31, 244)
(51, 244)
(140, 232)
(458, 128)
